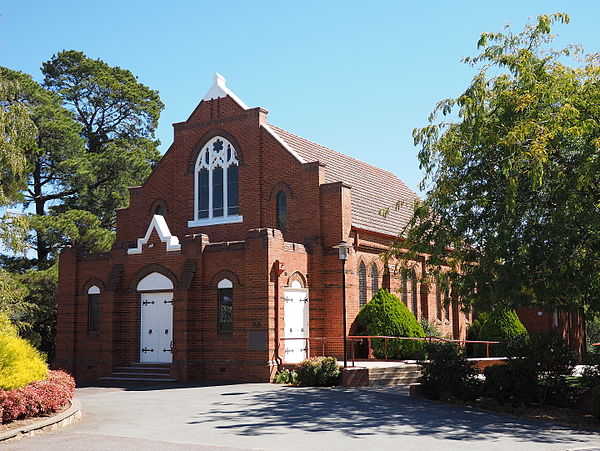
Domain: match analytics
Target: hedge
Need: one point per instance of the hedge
(37, 398)
(20, 363)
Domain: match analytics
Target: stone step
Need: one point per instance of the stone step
(136, 379)
(396, 375)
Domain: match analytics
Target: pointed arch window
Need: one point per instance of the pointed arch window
(404, 289)
(93, 309)
(216, 182)
(362, 284)
(281, 201)
(414, 298)
(225, 291)
(374, 279)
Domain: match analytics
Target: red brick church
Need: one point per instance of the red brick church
(227, 251)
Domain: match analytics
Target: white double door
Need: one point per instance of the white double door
(296, 324)
(156, 341)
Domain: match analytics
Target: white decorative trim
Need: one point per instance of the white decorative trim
(283, 143)
(155, 281)
(93, 290)
(214, 221)
(158, 222)
(225, 283)
(219, 90)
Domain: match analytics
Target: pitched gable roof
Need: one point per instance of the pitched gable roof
(372, 188)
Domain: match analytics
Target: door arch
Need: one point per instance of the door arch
(156, 318)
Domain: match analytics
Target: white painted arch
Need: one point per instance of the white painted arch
(155, 281)
(93, 290)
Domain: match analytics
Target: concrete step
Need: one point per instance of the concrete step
(142, 370)
(136, 372)
(145, 375)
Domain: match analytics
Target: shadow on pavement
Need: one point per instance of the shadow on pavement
(361, 413)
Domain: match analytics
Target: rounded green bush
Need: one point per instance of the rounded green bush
(503, 325)
(387, 315)
(20, 362)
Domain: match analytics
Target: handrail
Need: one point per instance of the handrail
(371, 354)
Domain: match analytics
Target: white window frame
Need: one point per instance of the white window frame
(215, 160)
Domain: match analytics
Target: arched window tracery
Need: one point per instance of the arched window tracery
(216, 184)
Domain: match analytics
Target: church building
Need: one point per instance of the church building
(224, 263)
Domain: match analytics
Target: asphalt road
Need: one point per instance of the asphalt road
(264, 416)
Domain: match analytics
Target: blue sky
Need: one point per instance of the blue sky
(354, 76)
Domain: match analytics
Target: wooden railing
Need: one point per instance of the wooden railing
(323, 341)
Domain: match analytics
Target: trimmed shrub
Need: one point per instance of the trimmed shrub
(448, 375)
(20, 363)
(37, 398)
(286, 376)
(318, 372)
(387, 315)
(502, 325)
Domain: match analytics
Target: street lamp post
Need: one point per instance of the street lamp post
(343, 249)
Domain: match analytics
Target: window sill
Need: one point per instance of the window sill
(212, 221)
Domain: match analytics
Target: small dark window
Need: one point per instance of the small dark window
(386, 280)
(413, 293)
(404, 289)
(158, 210)
(374, 280)
(281, 210)
(438, 299)
(225, 310)
(362, 284)
(93, 312)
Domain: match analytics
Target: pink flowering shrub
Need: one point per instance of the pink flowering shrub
(37, 398)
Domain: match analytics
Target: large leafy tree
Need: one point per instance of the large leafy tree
(70, 149)
(513, 175)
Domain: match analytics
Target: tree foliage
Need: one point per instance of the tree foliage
(512, 174)
(118, 117)
(17, 133)
(69, 148)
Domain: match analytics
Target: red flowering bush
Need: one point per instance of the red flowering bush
(37, 398)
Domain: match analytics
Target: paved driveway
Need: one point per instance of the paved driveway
(264, 416)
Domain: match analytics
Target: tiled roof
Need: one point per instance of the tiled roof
(372, 188)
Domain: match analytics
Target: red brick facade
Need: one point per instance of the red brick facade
(323, 208)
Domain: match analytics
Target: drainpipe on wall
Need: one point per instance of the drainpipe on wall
(277, 272)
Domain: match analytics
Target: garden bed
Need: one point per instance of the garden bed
(39, 398)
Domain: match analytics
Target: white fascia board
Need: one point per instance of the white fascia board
(158, 222)
(220, 90)
(282, 142)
